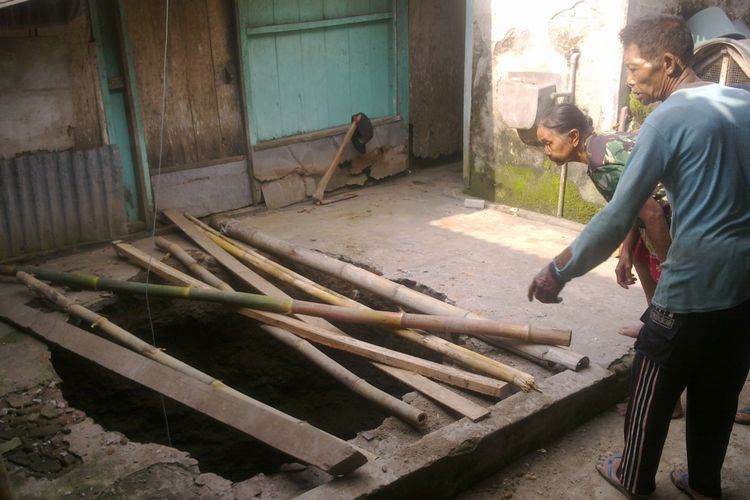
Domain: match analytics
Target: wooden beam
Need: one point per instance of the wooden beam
(315, 25)
(438, 393)
(283, 432)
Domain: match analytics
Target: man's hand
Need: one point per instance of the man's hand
(546, 287)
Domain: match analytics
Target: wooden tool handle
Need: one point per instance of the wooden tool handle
(320, 191)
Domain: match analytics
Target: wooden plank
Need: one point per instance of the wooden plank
(137, 135)
(314, 110)
(226, 77)
(382, 99)
(318, 134)
(290, 82)
(146, 32)
(283, 432)
(265, 102)
(200, 79)
(316, 25)
(226, 260)
(360, 68)
(337, 68)
(86, 132)
(437, 392)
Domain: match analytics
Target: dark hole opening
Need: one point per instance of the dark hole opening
(235, 350)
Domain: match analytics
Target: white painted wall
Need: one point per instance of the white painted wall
(538, 36)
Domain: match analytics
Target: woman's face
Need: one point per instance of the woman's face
(558, 148)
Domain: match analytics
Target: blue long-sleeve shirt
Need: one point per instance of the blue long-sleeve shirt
(697, 143)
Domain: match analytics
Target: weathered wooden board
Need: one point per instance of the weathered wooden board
(202, 121)
(283, 432)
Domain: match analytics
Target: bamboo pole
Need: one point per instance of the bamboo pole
(397, 407)
(445, 324)
(419, 382)
(464, 356)
(387, 289)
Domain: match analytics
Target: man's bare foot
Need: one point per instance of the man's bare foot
(631, 331)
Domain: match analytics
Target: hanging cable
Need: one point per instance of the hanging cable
(156, 197)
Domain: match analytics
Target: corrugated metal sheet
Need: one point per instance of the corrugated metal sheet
(53, 200)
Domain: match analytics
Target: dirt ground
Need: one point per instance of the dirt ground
(565, 468)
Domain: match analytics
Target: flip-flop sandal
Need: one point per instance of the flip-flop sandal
(680, 479)
(743, 416)
(608, 473)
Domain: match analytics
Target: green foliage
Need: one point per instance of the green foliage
(638, 112)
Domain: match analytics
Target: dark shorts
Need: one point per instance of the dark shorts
(686, 340)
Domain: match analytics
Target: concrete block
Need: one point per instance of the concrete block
(314, 157)
(285, 191)
(473, 203)
(393, 161)
(205, 190)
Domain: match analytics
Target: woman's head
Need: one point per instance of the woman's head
(562, 131)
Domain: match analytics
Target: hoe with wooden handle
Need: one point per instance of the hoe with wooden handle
(358, 120)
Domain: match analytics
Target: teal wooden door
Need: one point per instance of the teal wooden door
(311, 64)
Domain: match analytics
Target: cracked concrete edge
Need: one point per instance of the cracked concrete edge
(455, 457)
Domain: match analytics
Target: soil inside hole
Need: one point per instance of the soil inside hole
(235, 350)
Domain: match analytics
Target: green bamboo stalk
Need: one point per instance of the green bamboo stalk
(445, 324)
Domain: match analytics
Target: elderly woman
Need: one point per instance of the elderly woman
(567, 135)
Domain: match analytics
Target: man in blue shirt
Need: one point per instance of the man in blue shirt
(697, 143)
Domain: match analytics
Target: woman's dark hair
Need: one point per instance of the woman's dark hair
(656, 35)
(564, 117)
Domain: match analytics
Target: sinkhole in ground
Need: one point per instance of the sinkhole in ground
(235, 350)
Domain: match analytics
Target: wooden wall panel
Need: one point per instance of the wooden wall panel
(202, 123)
(48, 88)
(302, 80)
(226, 74)
(436, 54)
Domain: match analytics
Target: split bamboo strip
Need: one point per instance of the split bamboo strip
(397, 407)
(279, 430)
(157, 267)
(385, 288)
(445, 324)
(465, 356)
(257, 282)
(426, 386)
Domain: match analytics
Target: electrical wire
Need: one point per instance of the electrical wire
(156, 198)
